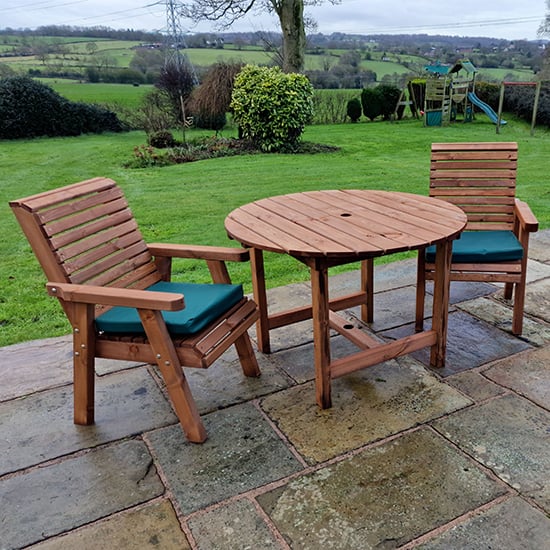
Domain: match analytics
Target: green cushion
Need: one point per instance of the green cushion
(483, 247)
(203, 304)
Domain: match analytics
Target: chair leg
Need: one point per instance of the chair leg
(519, 303)
(247, 357)
(420, 290)
(176, 384)
(83, 364)
(508, 290)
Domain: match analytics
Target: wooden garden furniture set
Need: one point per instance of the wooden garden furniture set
(117, 292)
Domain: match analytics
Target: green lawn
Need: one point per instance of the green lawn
(189, 202)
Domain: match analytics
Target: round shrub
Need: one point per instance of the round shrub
(161, 139)
(270, 107)
(354, 109)
(29, 108)
(371, 101)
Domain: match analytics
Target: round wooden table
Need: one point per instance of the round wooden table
(323, 229)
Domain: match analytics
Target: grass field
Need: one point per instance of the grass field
(188, 203)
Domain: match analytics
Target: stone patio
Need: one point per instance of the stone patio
(408, 457)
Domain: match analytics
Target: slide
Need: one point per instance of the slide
(487, 109)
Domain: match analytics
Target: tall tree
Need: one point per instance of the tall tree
(289, 12)
(544, 30)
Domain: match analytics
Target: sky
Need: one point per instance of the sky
(509, 19)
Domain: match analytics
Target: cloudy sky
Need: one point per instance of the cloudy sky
(512, 19)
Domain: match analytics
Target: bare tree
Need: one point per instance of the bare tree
(290, 14)
(544, 30)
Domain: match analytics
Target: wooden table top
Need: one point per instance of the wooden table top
(351, 223)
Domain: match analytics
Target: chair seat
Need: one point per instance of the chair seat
(483, 247)
(204, 303)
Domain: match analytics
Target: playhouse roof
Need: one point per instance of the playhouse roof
(437, 68)
(465, 64)
(440, 69)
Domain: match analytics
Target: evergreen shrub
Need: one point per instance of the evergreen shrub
(29, 109)
(270, 107)
(354, 109)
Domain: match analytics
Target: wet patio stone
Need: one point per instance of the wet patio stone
(223, 384)
(395, 308)
(539, 246)
(53, 499)
(34, 366)
(153, 527)
(366, 406)
(386, 277)
(500, 315)
(528, 375)
(382, 497)
(510, 436)
(510, 525)
(470, 343)
(235, 526)
(537, 300)
(242, 452)
(40, 427)
(475, 385)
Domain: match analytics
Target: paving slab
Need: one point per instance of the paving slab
(40, 427)
(537, 300)
(499, 315)
(539, 246)
(154, 526)
(236, 526)
(475, 385)
(527, 374)
(397, 307)
(470, 343)
(34, 366)
(242, 452)
(223, 384)
(382, 497)
(387, 276)
(510, 525)
(298, 361)
(53, 499)
(510, 436)
(366, 406)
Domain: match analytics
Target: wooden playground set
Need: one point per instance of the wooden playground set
(450, 96)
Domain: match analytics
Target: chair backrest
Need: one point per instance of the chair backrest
(85, 233)
(480, 178)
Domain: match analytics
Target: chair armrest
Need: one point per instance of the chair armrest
(110, 296)
(525, 216)
(216, 253)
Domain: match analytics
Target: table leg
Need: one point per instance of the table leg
(367, 285)
(260, 297)
(442, 281)
(321, 343)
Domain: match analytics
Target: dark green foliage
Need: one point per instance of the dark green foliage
(210, 121)
(354, 109)
(272, 108)
(371, 101)
(380, 101)
(161, 139)
(29, 108)
(518, 99)
(389, 96)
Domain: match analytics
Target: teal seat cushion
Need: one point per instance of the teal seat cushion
(483, 247)
(203, 304)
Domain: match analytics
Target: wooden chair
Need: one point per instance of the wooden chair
(114, 287)
(481, 179)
